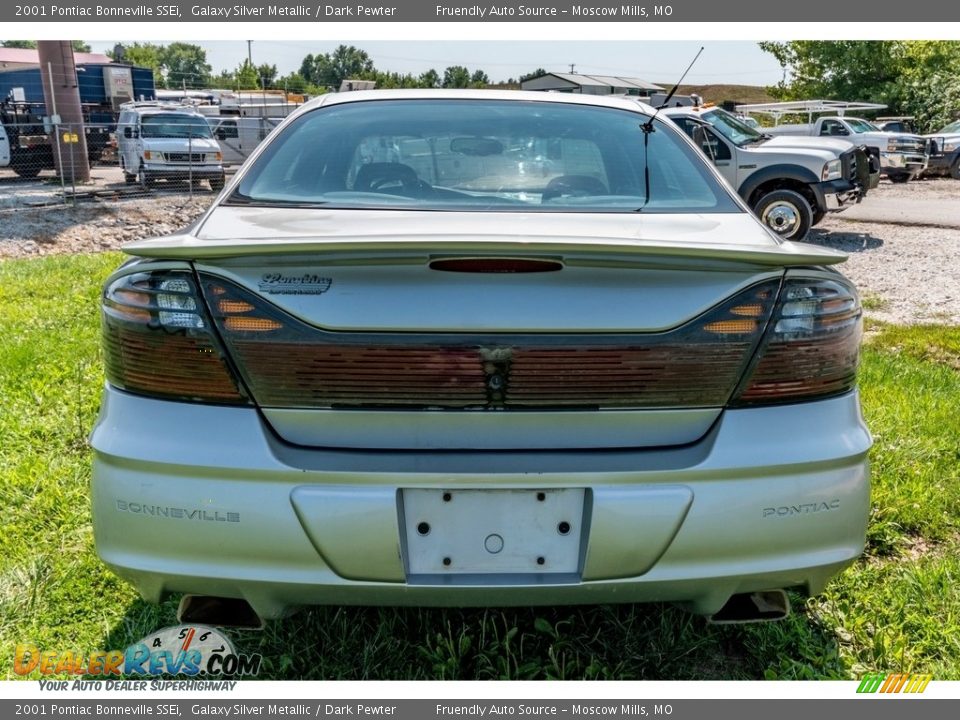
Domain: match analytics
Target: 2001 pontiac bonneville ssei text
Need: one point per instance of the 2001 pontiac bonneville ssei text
(478, 348)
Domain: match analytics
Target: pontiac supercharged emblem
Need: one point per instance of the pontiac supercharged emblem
(306, 284)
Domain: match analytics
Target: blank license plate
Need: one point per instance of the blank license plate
(493, 531)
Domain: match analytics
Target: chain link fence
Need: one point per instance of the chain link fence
(71, 164)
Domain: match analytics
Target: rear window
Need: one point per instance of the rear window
(482, 155)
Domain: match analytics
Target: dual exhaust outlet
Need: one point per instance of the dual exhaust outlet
(762, 606)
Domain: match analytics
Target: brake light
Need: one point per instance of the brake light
(157, 340)
(287, 363)
(812, 346)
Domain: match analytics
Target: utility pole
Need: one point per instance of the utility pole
(572, 66)
(250, 52)
(61, 94)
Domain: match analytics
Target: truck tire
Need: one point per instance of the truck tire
(955, 168)
(217, 183)
(898, 177)
(785, 212)
(143, 181)
(27, 171)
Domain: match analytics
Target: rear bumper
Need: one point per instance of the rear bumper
(205, 500)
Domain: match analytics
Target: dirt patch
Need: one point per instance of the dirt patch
(94, 227)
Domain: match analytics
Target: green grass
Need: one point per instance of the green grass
(896, 609)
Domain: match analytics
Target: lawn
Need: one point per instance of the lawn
(897, 609)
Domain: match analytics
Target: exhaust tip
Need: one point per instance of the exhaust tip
(218, 611)
(762, 606)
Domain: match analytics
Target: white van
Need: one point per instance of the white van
(165, 141)
(238, 136)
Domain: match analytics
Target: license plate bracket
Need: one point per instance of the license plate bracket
(467, 532)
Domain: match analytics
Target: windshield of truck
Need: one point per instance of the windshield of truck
(732, 128)
(482, 155)
(174, 126)
(861, 126)
(953, 127)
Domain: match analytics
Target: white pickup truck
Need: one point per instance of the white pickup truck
(903, 156)
(790, 183)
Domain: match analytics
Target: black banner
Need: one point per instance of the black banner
(468, 11)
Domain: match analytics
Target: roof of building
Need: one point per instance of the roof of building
(27, 56)
(605, 81)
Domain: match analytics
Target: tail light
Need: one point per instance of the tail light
(812, 346)
(158, 340)
(287, 363)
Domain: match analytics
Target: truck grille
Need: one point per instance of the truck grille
(183, 157)
(288, 364)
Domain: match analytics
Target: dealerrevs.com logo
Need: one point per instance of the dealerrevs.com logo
(894, 683)
(179, 650)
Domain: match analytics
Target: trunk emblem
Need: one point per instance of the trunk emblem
(306, 284)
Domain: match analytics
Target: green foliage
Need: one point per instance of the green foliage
(78, 45)
(245, 77)
(531, 75)
(456, 76)
(185, 65)
(331, 69)
(915, 77)
(430, 79)
(148, 55)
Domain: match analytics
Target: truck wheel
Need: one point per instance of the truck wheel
(818, 216)
(786, 212)
(217, 183)
(27, 171)
(142, 179)
(899, 177)
(955, 168)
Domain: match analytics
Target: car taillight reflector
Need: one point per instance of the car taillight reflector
(812, 346)
(158, 341)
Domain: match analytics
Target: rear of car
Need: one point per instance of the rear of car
(478, 349)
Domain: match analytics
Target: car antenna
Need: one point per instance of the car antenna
(648, 125)
(647, 128)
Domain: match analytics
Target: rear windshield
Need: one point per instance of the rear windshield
(482, 155)
(174, 126)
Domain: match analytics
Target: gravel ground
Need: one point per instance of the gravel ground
(906, 273)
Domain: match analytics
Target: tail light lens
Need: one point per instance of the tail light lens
(157, 340)
(287, 363)
(812, 346)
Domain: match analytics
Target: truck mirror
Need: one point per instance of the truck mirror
(128, 132)
(221, 134)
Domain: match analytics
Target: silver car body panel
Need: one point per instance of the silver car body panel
(768, 507)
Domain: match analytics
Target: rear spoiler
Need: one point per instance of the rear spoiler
(189, 247)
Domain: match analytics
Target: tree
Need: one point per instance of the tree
(78, 45)
(331, 69)
(430, 79)
(854, 70)
(456, 76)
(295, 83)
(535, 74)
(479, 79)
(146, 55)
(917, 77)
(245, 77)
(267, 74)
(185, 64)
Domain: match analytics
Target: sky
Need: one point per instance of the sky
(723, 62)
